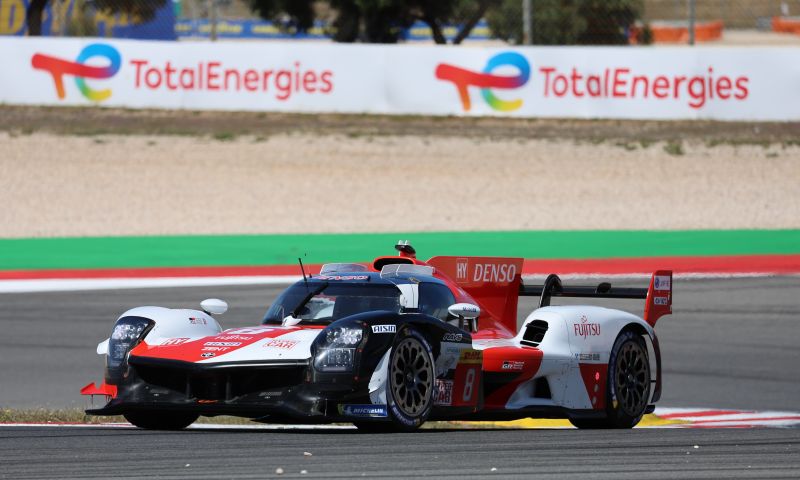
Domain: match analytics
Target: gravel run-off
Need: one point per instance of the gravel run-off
(144, 184)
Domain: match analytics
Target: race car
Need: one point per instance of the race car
(390, 345)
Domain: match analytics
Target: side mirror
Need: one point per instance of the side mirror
(467, 314)
(464, 310)
(102, 347)
(214, 306)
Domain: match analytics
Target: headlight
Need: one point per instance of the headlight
(334, 360)
(336, 351)
(126, 334)
(344, 336)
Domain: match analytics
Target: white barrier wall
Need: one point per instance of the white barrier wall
(564, 82)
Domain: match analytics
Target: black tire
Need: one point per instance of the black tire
(161, 420)
(627, 385)
(411, 381)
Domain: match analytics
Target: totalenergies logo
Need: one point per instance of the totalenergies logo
(486, 81)
(58, 67)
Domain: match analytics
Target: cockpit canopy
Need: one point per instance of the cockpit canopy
(321, 302)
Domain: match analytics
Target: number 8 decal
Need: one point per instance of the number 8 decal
(469, 383)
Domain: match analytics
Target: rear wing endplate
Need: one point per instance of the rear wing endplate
(658, 297)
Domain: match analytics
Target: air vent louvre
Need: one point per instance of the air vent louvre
(534, 333)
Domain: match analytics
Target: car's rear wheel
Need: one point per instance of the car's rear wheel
(628, 384)
(161, 420)
(411, 381)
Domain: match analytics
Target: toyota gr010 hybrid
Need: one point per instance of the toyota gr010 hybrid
(390, 345)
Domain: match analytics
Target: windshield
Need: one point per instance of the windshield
(323, 303)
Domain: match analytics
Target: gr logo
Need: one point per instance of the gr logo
(462, 265)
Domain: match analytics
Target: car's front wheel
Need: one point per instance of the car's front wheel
(411, 381)
(628, 384)
(161, 420)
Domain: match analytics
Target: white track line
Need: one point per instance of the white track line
(76, 284)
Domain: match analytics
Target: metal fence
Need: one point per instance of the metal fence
(739, 21)
(541, 22)
(641, 21)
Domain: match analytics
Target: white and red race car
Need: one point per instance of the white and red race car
(391, 345)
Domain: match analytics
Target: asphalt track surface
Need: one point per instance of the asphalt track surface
(730, 344)
(565, 454)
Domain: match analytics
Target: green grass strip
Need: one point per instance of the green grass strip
(237, 250)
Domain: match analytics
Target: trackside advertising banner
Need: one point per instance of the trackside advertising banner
(563, 82)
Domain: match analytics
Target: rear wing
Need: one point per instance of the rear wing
(658, 297)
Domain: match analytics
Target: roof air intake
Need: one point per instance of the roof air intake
(330, 268)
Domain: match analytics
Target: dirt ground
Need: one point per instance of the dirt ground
(228, 125)
(369, 174)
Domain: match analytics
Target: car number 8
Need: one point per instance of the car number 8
(469, 382)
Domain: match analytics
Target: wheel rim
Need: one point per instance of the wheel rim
(632, 379)
(412, 377)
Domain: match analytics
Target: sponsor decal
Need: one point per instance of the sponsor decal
(222, 344)
(462, 265)
(486, 80)
(585, 329)
(363, 410)
(587, 357)
(512, 365)
(198, 321)
(402, 417)
(444, 392)
(233, 337)
(342, 277)
(452, 337)
(661, 300)
(59, 67)
(662, 282)
(384, 329)
(494, 273)
(471, 357)
(215, 349)
(215, 76)
(619, 83)
(625, 83)
(207, 354)
(448, 358)
(285, 344)
(174, 341)
(276, 393)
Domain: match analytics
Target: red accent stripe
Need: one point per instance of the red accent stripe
(704, 413)
(743, 420)
(764, 264)
(717, 426)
